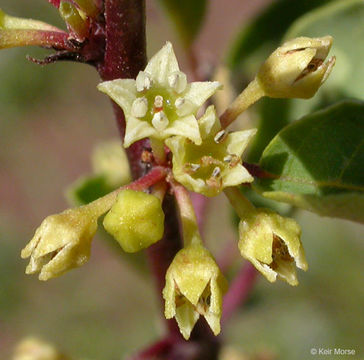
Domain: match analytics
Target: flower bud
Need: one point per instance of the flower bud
(35, 349)
(62, 242)
(272, 244)
(16, 31)
(136, 220)
(88, 6)
(297, 68)
(194, 287)
(73, 19)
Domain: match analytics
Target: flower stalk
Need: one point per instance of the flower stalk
(251, 94)
(239, 202)
(187, 216)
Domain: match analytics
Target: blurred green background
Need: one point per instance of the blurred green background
(51, 118)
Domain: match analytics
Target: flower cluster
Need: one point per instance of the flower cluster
(188, 152)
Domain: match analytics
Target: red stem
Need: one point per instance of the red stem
(125, 56)
(154, 176)
(256, 171)
(125, 52)
(156, 350)
(239, 290)
(55, 3)
(200, 205)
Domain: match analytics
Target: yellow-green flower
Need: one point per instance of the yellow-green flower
(272, 244)
(160, 103)
(297, 68)
(194, 287)
(136, 220)
(62, 242)
(35, 349)
(216, 163)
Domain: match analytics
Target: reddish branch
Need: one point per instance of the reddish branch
(239, 290)
(116, 45)
(55, 2)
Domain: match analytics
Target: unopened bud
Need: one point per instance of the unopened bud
(297, 68)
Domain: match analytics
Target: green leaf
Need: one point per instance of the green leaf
(88, 188)
(344, 20)
(187, 16)
(273, 116)
(262, 35)
(317, 162)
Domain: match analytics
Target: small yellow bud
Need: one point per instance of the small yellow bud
(16, 31)
(61, 242)
(75, 22)
(88, 6)
(35, 349)
(8, 22)
(136, 220)
(194, 287)
(272, 244)
(297, 68)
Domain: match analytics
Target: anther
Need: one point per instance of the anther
(179, 102)
(177, 81)
(216, 172)
(183, 106)
(220, 136)
(139, 107)
(195, 167)
(228, 158)
(160, 121)
(143, 81)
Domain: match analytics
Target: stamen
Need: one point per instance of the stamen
(195, 167)
(216, 172)
(220, 136)
(183, 106)
(235, 160)
(228, 158)
(179, 102)
(139, 107)
(143, 81)
(177, 81)
(160, 121)
(311, 67)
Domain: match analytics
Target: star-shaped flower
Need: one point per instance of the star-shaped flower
(214, 164)
(160, 103)
(194, 287)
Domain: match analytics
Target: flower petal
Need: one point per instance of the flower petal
(136, 130)
(163, 64)
(186, 317)
(238, 141)
(122, 91)
(198, 92)
(187, 127)
(236, 176)
(209, 123)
